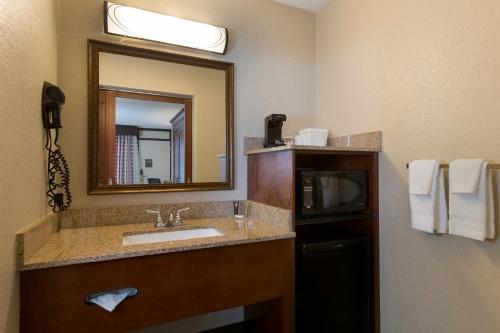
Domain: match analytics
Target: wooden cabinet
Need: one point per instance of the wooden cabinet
(170, 287)
(271, 178)
(271, 181)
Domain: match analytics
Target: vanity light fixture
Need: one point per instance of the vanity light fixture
(142, 24)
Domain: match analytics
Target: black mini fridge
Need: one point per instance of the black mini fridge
(333, 285)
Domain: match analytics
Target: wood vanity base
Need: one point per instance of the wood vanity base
(171, 286)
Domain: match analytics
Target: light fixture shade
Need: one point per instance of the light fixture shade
(137, 23)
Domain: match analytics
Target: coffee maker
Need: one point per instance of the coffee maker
(273, 124)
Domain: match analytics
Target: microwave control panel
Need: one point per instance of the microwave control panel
(308, 188)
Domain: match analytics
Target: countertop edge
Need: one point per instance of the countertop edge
(312, 148)
(359, 142)
(53, 264)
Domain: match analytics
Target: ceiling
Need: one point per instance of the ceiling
(310, 5)
(148, 114)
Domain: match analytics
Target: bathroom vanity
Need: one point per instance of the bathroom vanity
(211, 262)
(250, 264)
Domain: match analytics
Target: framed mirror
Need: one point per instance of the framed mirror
(158, 122)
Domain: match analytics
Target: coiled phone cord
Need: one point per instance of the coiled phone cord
(57, 165)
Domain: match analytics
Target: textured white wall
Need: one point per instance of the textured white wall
(28, 56)
(272, 46)
(426, 73)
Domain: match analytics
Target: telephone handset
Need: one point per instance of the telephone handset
(58, 171)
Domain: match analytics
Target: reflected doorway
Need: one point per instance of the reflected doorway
(146, 138)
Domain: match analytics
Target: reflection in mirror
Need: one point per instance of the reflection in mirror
(160, 122)
(148, 138)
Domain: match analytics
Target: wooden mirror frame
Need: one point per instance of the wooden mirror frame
(94, 48)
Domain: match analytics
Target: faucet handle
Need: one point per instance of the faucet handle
(151, 211)
(159, 221)
(178, 213)
(182, 210)
(178, 219)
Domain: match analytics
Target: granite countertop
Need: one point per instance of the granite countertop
(302, 147)
(361, 142)
(100, 243)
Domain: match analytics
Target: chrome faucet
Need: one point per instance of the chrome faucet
(159, 221)
(178, 219)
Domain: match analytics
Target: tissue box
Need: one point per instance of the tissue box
(312, 137)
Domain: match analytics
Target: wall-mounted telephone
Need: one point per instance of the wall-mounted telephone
(58, 171)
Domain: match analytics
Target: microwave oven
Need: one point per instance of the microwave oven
(321, 193)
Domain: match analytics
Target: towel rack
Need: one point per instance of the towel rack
(446, 166)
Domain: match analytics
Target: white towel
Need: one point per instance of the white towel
(427, 197)
(471, 205)
(465, 175)
(421, 176)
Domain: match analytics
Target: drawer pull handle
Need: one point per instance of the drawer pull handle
(110, 299)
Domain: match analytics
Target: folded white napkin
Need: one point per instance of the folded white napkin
(471, 201)
(427, 197)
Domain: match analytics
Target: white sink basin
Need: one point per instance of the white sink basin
(167, 236)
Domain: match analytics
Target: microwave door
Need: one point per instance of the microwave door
(329, 192)
(352, 191)
(332, 192)
(353, 194)
(338, 193)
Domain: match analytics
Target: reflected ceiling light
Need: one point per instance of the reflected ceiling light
(137, 23)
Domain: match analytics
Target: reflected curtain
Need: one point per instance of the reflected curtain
(127, 157)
